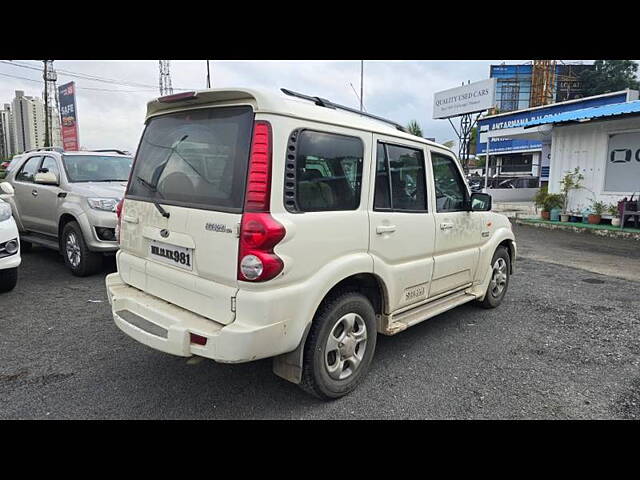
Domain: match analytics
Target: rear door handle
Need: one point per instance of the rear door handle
(446, 226)
(385, 229)
(34, 192)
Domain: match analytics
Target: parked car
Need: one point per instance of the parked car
(259, 225)
(66, 201)
(9, 246)
(519, 182)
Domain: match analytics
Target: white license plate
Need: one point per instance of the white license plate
(171, 254)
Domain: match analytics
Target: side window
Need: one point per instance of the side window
(28, 170)
(328, 172)
(49, 165)
(400, 179)
(451, 193)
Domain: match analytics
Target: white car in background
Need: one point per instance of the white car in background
(9, 248)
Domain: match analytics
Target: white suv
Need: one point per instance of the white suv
(263, 225)
(9, 244)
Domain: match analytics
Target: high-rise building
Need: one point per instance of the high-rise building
(28, 117)
(7, 134)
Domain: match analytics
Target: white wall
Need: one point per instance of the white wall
(585, 145)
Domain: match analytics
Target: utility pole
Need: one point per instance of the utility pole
(361, 83)
(208, 76)
(46, 105)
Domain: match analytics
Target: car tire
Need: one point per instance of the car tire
(8, 279)
(501, 268)
(78, 258)
(340, 346)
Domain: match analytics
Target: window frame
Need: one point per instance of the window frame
(296, 133)
(375, 173)
(21, 169)
(44, 157)
(465, 187)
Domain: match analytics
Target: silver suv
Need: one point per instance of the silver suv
(66, 201)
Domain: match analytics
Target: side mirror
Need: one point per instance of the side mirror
(480, 202)
(6, 188)
(46, 178)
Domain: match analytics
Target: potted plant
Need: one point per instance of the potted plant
(570, 181)
(554, 201)
(539, 200)
(575, 214)
(598, 209)
(613, 211)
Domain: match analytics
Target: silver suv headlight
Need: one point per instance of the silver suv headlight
(5, 211)
(106, 204)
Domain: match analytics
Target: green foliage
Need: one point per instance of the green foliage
(448, 143)
(570, 181)
(610, 76)
(554, 200)
(612, 208)
(541, 196)
(414, 128)
(598, 207)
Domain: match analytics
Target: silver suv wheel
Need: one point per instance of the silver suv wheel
(499, 277)
(73, 249)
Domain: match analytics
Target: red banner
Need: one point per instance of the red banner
(69, 116)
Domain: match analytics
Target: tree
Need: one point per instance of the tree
(449, 143)
(609, 76)
(414, 128)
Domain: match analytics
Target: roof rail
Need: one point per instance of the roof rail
(328, 104)
(50, 149)
(121, 152)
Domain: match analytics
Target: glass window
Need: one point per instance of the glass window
(196, 158)
(97, 168)
(28, 170)
(49, 165)
(328, 171)
(451, 192)
(400, 171)
(382, 199)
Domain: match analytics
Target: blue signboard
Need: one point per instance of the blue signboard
(516, 119)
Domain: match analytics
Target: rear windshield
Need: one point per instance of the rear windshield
(97, 168)
(196, 158)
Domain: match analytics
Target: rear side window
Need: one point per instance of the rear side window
(196, 158)
(400, 179)
(323, 172)
(28, 170)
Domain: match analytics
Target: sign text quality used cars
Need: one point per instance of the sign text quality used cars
(474, 97)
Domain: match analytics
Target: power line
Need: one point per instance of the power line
(84, 76)
(79, 88)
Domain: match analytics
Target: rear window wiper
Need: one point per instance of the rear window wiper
(154, 189)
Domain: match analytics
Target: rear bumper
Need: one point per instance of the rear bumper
(167, 327)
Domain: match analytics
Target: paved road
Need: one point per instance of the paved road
(559, 347)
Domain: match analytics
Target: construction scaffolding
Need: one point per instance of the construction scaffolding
(543, 83)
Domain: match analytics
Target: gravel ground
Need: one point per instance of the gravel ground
(565, 344)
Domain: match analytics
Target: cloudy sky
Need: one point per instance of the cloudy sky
(111, 113)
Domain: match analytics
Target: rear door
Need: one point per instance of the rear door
(26, 192)
(401, 227)
(179, 231)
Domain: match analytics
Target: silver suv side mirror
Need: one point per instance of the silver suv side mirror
(46, 178)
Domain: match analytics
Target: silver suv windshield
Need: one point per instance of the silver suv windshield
(97, 168)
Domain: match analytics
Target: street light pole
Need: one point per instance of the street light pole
(208, 76)
(46, 106)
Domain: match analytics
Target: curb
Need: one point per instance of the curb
(603, 232)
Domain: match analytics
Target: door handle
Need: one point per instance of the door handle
(385, 229)
(34, 192)
(446, 226)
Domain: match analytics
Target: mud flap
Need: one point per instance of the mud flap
(289, 365)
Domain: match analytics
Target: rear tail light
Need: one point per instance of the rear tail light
(259, 231)
(119, 208)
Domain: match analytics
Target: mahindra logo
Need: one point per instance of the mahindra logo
(164, 233)
(621, 155)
